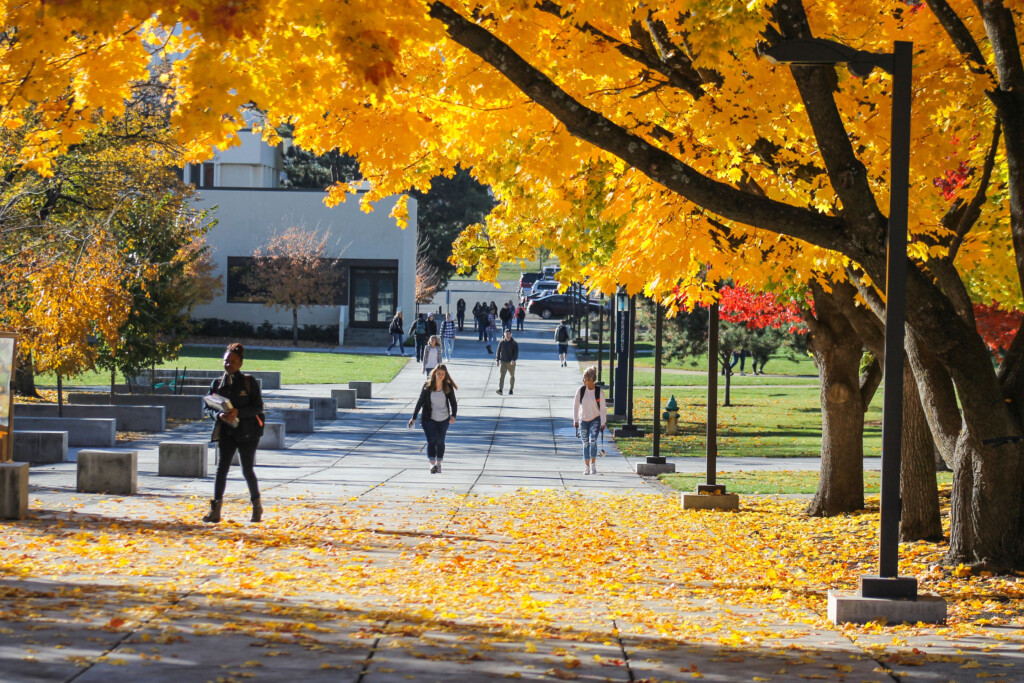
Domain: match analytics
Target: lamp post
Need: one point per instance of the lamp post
(899, 63)
(626, 324)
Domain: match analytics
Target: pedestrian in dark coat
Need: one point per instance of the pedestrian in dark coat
(239, 426)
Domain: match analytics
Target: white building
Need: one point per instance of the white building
(376, 260)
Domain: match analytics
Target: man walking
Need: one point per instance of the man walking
(418, 330)
(448, 329)
(506, 357)
(506, 317)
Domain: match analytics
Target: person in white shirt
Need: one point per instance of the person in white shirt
(589, 416)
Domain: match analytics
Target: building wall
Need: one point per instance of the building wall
(247, 218)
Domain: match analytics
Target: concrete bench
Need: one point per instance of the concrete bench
(178, 407)
(13, 490)
(297, 420)
(345, 398)
(363, 389)
(130, 418)
(324, 408)
(162, 391)
(269, 379)
(40, 447)
(115, 472)
(273, 436)
(182, 459)
(82, 431)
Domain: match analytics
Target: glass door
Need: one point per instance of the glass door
(374, 296)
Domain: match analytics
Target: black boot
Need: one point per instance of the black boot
(214, 515)
(257, 510)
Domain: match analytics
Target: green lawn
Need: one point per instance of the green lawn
(645, 378)
(764, 422)
(773, 482)
(296, 367)
(777, 365)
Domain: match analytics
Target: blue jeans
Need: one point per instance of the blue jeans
(396, 340)
(589, 429)
(449, 347)
(435, 432)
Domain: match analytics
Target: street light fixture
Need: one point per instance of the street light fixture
(887, 584)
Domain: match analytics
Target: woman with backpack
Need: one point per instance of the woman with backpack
(397, 332)
(239, 426)
(562, 339)
(589, 416)
(437, 401)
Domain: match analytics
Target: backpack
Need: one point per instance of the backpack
(583, 389)
(561, 334)
(421, 326)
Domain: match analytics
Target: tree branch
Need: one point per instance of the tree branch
(590, 126)
(959, 34)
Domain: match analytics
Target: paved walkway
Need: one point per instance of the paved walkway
(497, 444)
(357, 493)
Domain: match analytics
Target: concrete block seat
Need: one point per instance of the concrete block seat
(40, 447)
(363, 389)
(269, 379)
(273, 436)
(131, 418)
(345, 398)
(324, 408)
(183, 459)
(13, 490)
(82, 431)
(297, 420)
(175, 406)
(115, 472)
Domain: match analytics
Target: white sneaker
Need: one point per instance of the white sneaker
(593, 467)
(586, 470)
(439, 467)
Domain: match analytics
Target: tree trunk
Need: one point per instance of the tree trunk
(921, 520)
(113, 381)
(837, 352)
(25, 377)
(60, 396)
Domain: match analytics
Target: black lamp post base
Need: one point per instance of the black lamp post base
(628, 431)
(897, 587)
(711, 489)
(656, 460)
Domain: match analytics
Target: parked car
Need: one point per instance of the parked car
(558, 306)
(526, 282)
(541, 288)
(550, 272)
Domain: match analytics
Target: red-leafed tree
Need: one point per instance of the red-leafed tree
(997, 326)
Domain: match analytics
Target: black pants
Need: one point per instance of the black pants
(460, 318)
(246, 454)
(435, 432)
(421, 343)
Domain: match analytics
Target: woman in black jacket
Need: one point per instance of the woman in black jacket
(437, 401)
(238, 428)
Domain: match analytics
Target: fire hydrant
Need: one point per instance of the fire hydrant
(671, 417)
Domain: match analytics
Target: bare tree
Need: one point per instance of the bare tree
(291, 272)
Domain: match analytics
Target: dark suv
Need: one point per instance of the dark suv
(526, 281)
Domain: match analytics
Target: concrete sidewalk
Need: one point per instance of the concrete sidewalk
(108, 589)
(497, 444)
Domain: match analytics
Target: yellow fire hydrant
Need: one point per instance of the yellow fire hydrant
(671, 417)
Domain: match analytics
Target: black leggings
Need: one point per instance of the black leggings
(246, 455)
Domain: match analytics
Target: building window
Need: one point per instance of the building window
(201, 175)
